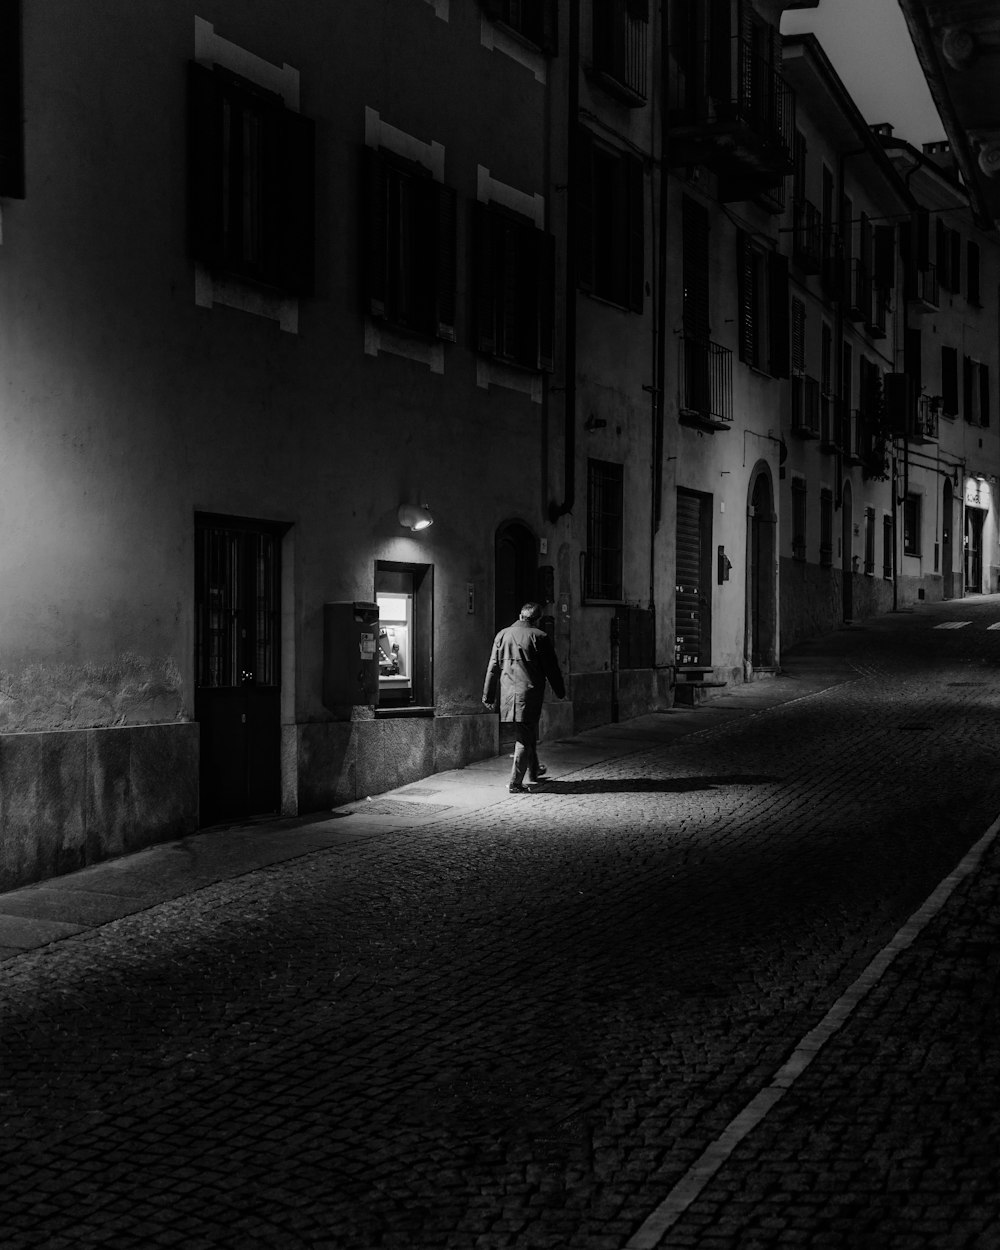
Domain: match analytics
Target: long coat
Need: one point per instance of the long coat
(521, 662)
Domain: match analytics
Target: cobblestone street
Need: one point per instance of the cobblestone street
(523, 1023)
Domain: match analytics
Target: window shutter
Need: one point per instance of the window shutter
(744, 264)
(373, 249)
(485, 279)
(949, 380)
(798, 361)
(546, 301)
(206, 239)
(941, 240)
(984, 394)
(636, 251)
(494, 9)
(778, 314)
(967, 367)
(11, 102)
(695, 270)
(885, 257)
(550, 27)
(297, 188)
(922, 236)
(638, 9)
(445, 270)
(955, 261)
(972, 270)
(585, 210)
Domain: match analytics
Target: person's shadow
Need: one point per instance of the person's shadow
(646, 785)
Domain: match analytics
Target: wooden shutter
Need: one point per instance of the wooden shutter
(638, 9)
(922, 238)
(11, 102)
(445, 275)
(967, 367)
(798, 359)
(885, 257)
(955, 260)
(778, 314)
(546, 300)
(972, 271)
(637, 235)
(550, 27)
(943, 257)
(206, 237)
(484, 278)
(296, 186)
(585, 210)
(949, 380)
(984, 394)
(695, 270)
(745, 295)
(374, 273)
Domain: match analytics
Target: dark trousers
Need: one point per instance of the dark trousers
(525, 752)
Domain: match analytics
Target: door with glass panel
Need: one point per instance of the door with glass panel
(237, 667)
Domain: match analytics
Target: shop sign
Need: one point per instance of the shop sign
(977, 493)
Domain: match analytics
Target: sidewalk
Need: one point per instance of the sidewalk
(37, 915)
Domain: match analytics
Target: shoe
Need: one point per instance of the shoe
(539, 776)
(513, 789)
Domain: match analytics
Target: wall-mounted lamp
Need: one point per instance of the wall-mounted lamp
(414, 516)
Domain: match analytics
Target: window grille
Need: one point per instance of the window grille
(605, 499)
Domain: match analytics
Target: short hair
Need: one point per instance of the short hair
(531, 612)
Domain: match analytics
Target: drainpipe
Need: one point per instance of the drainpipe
(557, 510)
(659, 313)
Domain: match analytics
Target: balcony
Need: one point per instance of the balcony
(805, 407)
(706, 384)
(731, 110)
(922, 289)
(620, 50)
(925, 420)
(807, 236)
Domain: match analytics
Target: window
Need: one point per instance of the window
(826, 527)
(610, 223)
(404, 594)
(870, 542)
(975, 391)
(763, 308)
(949, 381)
(798, 518)
(887, 548)
(972, 274)
(620, 45)
(605, 498)
(514, 288)
(533, 20)
(11, 108)
(251, 171)
(911, 525)
(409, 245)
(798, 358)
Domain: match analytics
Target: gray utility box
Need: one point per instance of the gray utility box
(350, 655)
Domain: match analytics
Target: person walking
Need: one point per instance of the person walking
(521, 662)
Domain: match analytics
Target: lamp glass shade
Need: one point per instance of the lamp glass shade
(415, 516)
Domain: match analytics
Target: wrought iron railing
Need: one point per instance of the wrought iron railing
(706, 377)
(620, 45)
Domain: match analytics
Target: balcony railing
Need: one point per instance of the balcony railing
(731, 109)
(620, 48)
(805, 407)
(807, 236)
(706, 378)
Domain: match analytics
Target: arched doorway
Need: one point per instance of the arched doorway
(515, 571)
(974, 518)
(847, 551)
(762, 598)
(947, 557)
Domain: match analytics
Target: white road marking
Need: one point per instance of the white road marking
(953, 625)
(687, 1189)
(995, 625)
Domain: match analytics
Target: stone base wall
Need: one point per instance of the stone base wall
(640, 690)
(812, 601)
(75, 797)
(336, 762)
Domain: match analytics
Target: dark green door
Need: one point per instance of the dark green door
(238, 696)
